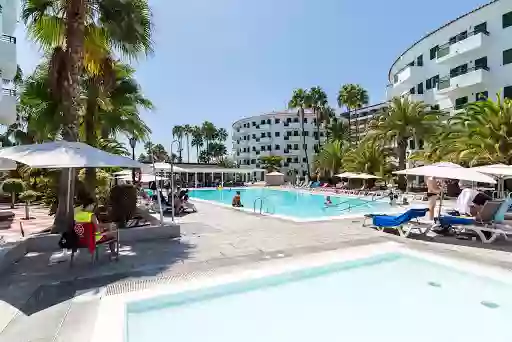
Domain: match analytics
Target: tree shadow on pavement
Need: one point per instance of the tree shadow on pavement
(47, 285)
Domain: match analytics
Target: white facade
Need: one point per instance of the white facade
(276, 134)
(360, 119)
(460, 62)
(8, 63)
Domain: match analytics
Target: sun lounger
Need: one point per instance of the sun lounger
(381, 222)
(484, 225)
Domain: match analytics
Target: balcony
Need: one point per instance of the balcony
(265, 154)
(405, 79)
(8, 56)
(265, 140)
(459, 51)
(295, 138)
(8, 107)
(470, 77)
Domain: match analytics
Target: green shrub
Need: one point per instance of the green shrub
(29, 196)
(13, 186)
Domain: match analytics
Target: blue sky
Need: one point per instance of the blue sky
(226, 59)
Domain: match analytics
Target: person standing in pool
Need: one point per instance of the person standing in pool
(237, 200)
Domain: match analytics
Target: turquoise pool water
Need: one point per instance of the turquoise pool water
(387, 298)
(292, 203)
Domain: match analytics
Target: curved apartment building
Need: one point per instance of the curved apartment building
(468, 59)
(8, 64)
(276, 134)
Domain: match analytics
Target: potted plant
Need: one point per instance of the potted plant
(28, 197)
(13, 186)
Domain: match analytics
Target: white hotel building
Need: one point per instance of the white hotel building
(276, 134)
(8, 64)
(461, 62)
(465, 60)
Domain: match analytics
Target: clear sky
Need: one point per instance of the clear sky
(220, 60)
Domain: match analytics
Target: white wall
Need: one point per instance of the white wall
(499, 40)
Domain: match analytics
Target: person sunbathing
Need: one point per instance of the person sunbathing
(237, 200)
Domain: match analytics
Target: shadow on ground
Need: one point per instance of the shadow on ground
(32, 284)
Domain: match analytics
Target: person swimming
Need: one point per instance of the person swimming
(328, 201)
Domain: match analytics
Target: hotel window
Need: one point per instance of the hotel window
(295, 119)
(295, 133)
(482, 96)
(306, 133)
(288, 120)
(269, 148)
(263, 148)
(295, 146)
(289, 146)
(288, 133)
(262, 135)
(296, 159)
(304, 159)
(420, 88)
(435, 81)
(419, 60)
(254, 123)
(269, 122)
(262, 122)
(433, 52)
(507, 92)
(480, 28)
(269, 134)
(277, 147)
(277, 121)
(507, 19)
(428, 84)
(434, 107)
(461, 102)
(305, 120)
(481, 63)
(254, 136)
(412, 91)
(277, 134)
(507, 56)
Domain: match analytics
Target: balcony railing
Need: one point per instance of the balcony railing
(8, 39)
(444, 49)
(444, 82)
(8, 92)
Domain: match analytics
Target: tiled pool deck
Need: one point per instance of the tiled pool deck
(56, 303)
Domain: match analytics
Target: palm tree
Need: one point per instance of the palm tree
(401, 121)
(221, 135)
(352, 96)
(301, 100)
(329, 159)
(197, 139)
(209, 133)
(319, 102)
(338, 129)
(187, 131)
(480, 134)
(177, 133)
(371, 156)
(69, 31)
(271, 163)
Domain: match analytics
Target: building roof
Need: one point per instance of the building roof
(439, 29)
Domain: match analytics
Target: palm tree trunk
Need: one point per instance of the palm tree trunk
(188, 150)
(349, 127)
(357, 125)
(90, 136)
(402, 155)
(301, 114)
(75, 23)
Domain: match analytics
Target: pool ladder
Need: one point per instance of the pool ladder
(261, 200)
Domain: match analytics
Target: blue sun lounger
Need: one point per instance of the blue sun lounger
(381, 222)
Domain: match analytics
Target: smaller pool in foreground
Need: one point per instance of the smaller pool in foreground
(391, 297)
(294, 204)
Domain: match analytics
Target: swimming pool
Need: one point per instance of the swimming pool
(386, 297)
(294, 204)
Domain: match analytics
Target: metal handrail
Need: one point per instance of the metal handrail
(254, 204)
(8, 92)
(472, 33)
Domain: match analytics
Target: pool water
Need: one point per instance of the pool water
(387, 298)
(294, 204)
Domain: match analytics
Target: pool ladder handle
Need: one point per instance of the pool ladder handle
(261, 204)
